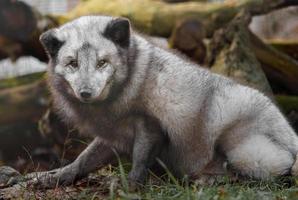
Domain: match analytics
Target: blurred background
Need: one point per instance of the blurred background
(254, 42)
(27, 65)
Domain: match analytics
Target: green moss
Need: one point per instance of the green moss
(21, 80)
(287, 103)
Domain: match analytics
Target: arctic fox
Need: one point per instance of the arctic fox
(147, 103)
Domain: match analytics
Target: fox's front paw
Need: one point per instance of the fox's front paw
(52, 179)
(136, 180)
(134, 186)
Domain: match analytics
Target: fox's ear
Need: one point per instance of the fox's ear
(50, 42)
(118, 30)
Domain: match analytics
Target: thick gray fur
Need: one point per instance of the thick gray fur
(148, 103)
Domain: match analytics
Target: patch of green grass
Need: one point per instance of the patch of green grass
(167, 187)
(111, 183)
(248, 190)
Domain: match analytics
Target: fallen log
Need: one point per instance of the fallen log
(159, 18)
(280, 69)
(289, 47)
(21, 80)
(231, 54)
(149, 16)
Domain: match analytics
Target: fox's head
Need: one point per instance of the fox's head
(89, 56)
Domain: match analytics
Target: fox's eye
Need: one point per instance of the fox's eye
(101, 63)
(72, 64)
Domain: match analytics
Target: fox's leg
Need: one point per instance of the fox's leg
(215, 168)
(193, 151)
(147, 146)
(93, 157)
(267, 145)
(215, 171)
(259, 157)
(187, 156)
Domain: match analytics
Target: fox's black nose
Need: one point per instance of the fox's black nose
(85, 95)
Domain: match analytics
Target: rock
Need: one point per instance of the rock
(7, 174)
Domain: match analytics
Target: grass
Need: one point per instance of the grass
(111, 183)
(169, 188)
